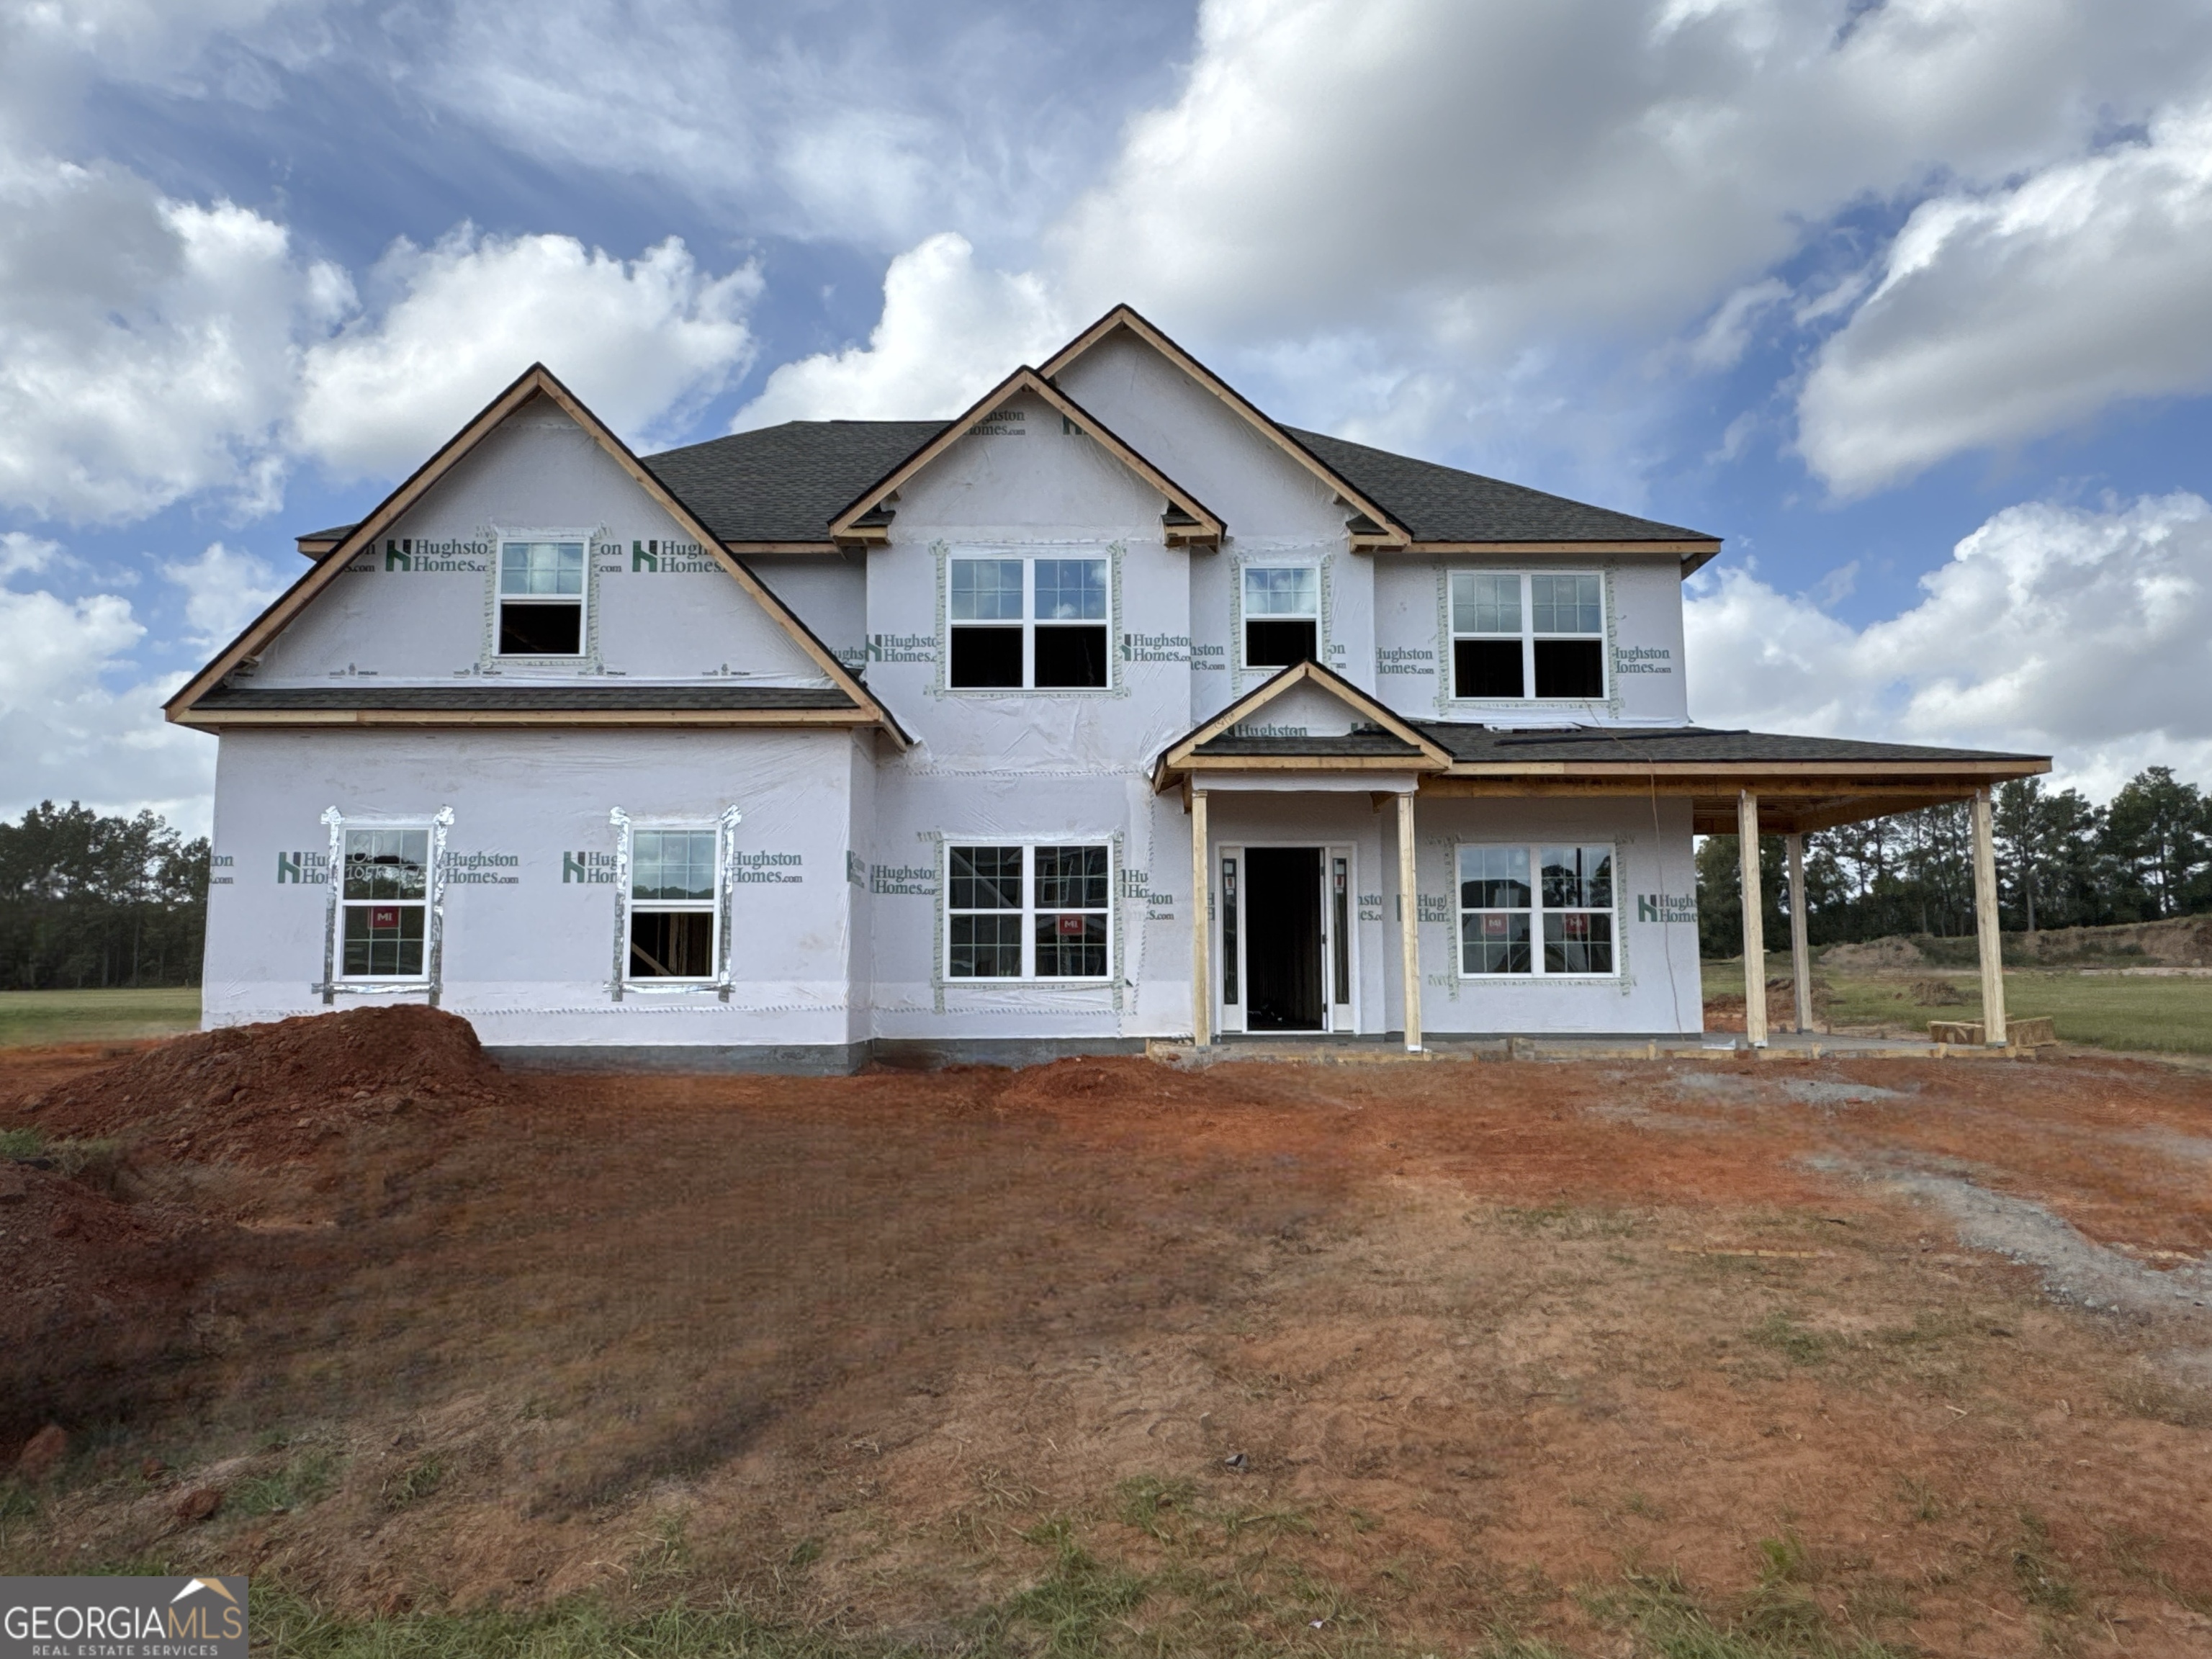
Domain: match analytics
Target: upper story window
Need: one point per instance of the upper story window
(387, 900)
(1018, 623)
(1282, 615)
(541, 599)
(675, 878)
(1526, 635)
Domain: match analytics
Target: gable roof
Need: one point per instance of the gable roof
(779, 486)
(1390, 740)
(536, 382)
(1444, 504)
(866, 518)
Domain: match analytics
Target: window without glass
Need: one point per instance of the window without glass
(1282, 615)
(674, 884)
(1521, 636)
(1568, 908)
(541, 599)
(1021, 624)
(386, 903)
(1027, 912)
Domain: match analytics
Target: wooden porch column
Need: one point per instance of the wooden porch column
(1755, 921)
(1201, 964)
(1409, 923)
(1800, 945)
(1987, 923)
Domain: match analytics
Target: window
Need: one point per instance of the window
(1022, 623)
(541, 599)
(1567, 910)
(1282, 615)
(1513, 633)
(674, 880)
(1048, 904)
(387, 903)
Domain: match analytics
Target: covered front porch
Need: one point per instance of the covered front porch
(1570, 847)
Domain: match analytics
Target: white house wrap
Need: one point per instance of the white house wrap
(800, 745)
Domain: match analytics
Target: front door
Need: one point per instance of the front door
(1285, 939)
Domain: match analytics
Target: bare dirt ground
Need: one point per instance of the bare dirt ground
(1908, 1353)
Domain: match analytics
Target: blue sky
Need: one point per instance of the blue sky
(1904, 299)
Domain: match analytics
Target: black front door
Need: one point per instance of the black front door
(1281, 915)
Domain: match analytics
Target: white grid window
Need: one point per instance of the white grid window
(1021, 912)
(1521, 636)
(1559, 924)
(541, 599)
(1282, 615)
(1021, 624)
(386, 902)
(675, 891)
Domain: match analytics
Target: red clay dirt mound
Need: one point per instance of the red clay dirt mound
(264, 1095)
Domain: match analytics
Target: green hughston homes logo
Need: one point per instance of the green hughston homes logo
(591, 869)
(411, 554)
(303, 868)
(101, 1618)
(670, 558)
(1667, 907)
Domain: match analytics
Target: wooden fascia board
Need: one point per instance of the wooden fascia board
(1123, 316)
(738, 549)
(1197, 763)
(1026, 379)
(280, 611)
(1833, 776)
(1707, 548)
(1179, 753)
(221, 719)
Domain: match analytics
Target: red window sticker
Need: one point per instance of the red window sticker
(384, 919)
(1494, 927)
(1578, 927)
(1071, 926)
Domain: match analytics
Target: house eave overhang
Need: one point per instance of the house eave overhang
(1184, 760)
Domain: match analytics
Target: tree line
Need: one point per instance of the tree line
(86, 900)
(2063, 861)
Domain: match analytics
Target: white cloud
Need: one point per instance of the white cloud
(21, 553)
(67, 734)
(640, 341)
(149, 347)
(2005, 316)
(224, 589)
(2086, 634)
(948, 332)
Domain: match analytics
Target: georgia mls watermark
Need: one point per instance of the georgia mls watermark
(122, 1618)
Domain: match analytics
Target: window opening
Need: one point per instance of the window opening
(541, 599)
(1023, 912)
(1019, 624)
(1569, 908)
(387, 900)
(674, 875)
(1523, 635)
(1282, 615)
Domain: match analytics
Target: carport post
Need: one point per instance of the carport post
(1987, 923)
(1800, 945)
(1409, 922)
(1201, 966)
(1755, 921)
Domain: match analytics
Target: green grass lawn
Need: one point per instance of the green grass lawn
(2106, 1011)
(36, 1017)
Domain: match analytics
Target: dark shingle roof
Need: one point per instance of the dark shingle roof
(337, 532)
(1674, 744)
(784, 484)
(536, 697)
(1355, 744)
(1443, 504)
